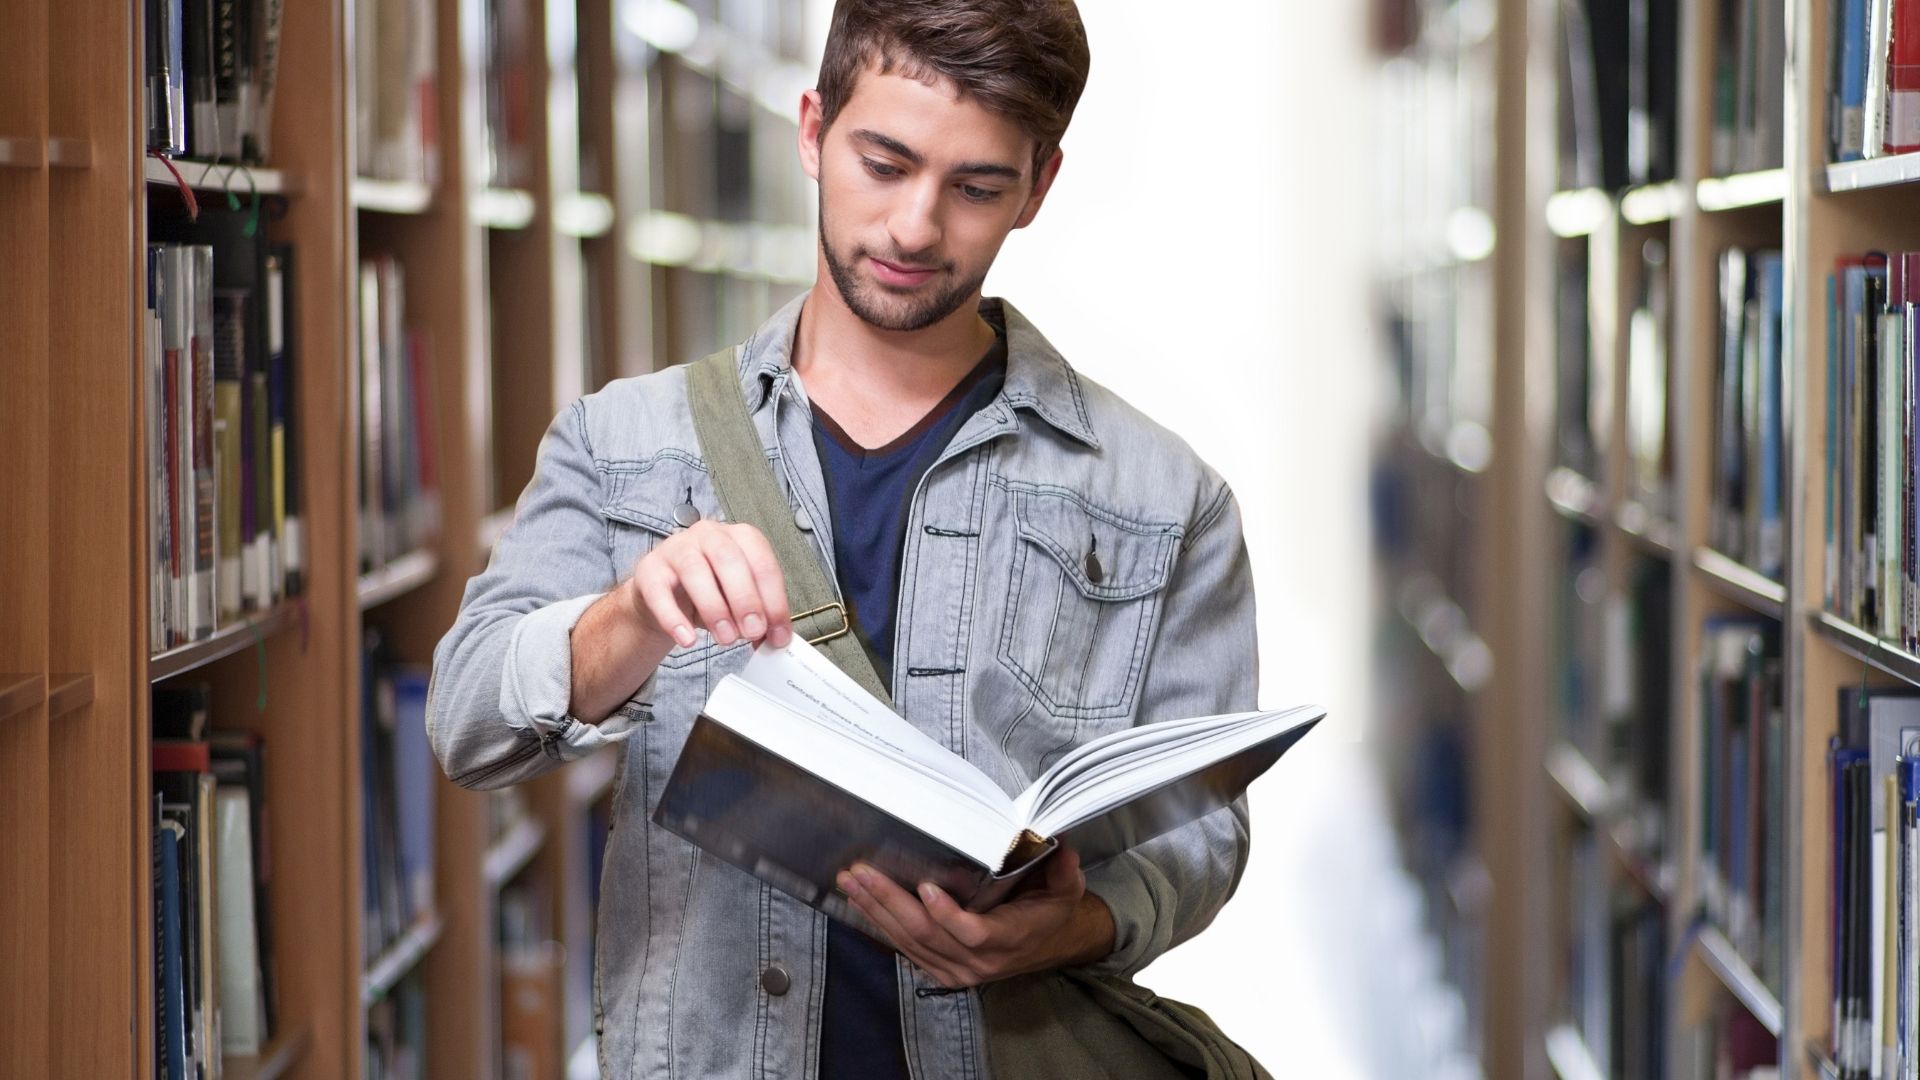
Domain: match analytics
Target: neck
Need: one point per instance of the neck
(846, 360)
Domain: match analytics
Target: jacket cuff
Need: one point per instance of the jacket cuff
(536, 685)
(1126, 884)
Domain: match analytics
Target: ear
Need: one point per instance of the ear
(1041, 185)
(811, 133)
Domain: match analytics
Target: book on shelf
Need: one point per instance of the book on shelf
(397, 1035)
(1579, 643)
(210, 70)
(1739, 787)
(1869, 518)
(1748, 513)
(511, 93)
(220, 429)
(1749, 87)
(1580, 381)
(793, 773)
(399, 485)
(396, 125)
(1640, 666)
(1649, 422)
(532, 993)
(1618, 92)
(398, 776)
(1873, 764)
(211, 788)
(1873, 78)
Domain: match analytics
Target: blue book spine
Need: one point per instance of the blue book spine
(417, 774)
(171, 957)
(1831, 553)
(1851, 137)
(1772, 555)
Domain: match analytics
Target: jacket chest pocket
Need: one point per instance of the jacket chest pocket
(1084, 592)
(645, 507)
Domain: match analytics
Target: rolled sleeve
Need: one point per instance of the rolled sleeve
(537, 686)
(1204, 662)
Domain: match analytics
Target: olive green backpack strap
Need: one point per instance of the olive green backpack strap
(751, 496)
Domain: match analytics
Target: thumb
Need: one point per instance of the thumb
(1063, 872)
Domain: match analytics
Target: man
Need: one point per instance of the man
(1031, 562)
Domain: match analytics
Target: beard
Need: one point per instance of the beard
(887, 309)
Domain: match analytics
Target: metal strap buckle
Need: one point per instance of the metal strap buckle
(845, 625)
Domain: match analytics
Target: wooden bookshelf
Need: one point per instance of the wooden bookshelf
(1812, 211)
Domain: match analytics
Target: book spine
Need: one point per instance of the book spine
(203, 120)
(229, 314)
(205, 478)
(1853, 38)
(233, 74)
(1903, 78)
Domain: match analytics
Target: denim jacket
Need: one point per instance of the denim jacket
(1011, 647)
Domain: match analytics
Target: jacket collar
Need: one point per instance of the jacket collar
(1039, 380)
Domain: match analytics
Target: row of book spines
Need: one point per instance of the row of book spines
(396, 111)
(1617, 975)
(1749, 87)
(211, 69)
(1873, 88)
(399, 475)
(1749, 458)
(1741, 775)
(1871, 519)
(399, 779)
(214, 986)
(226, 529)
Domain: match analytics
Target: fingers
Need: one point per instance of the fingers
(909, 927)
(729, 576)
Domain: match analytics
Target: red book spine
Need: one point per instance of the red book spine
(1903, 79)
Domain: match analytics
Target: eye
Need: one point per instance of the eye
(881, 169)
(979, 194)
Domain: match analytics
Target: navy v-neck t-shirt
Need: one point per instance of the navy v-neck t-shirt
(868, 494)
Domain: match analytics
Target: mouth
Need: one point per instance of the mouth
(900, 276)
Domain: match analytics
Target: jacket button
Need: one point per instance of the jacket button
(802, 522)
(775, 980)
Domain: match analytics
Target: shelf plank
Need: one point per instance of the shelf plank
(18, 693)
(70, 693)
(1442, 627)
(1568, 1054)
(1865, 647)
(504, 208)
(211, 176)
(391, 196)
(589, 780)
(69, 153)
(1585, 790)
(276, 1059)
(1880, 172)
(21, 153)
(585, 215)
(397, 578)
(1650, 531)
(1742, 190)
(225, 642)
(1651, 204)
(1726, 963)
(510, 854)
(1574, 496)
(1577, 213)
(1821, 1063)
(402, 956)
(1738, 582)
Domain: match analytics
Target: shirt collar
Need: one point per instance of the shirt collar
(1039, 380)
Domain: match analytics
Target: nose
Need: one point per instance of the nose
(915, 223)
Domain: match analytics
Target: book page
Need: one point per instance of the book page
(805, 681)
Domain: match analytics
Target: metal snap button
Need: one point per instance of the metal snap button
(686, 515)
(775, 980)
(802, 521)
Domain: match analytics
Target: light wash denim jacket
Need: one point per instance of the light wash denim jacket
(1008, 650)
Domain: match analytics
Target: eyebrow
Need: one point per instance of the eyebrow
(902, 150)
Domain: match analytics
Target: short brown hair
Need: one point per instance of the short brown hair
(1024, 59)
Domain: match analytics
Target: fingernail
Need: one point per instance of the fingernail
(844, 881)
(862, 874)
(929, 892)
(754, 626)
(683, 636)
(723, 630)
(780, 635)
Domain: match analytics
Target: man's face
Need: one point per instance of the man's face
(918, 189)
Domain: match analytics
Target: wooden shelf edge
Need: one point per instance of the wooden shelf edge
(1644, 527)
(1575, 496)
(589, 780)
(1442, 626)
(1652, 204)
(1567, 1052)
(401, 957)
(1823, 1065)
(1732, 969)
(1740, 583)
(18, 693)
(1584, 789)
(1740, 191)
(583, 215)
(397, 578)
(1872, 173)
(504, 208)
(1866, 647)
(510, 854)
(275, 1060)
(70, 693)
(1578, 212)
(391, 196)
(225, 642)
(221, 176)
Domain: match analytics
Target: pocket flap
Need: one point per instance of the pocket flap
(1131, 559)
(647, 497)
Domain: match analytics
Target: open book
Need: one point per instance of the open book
(793, 772)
